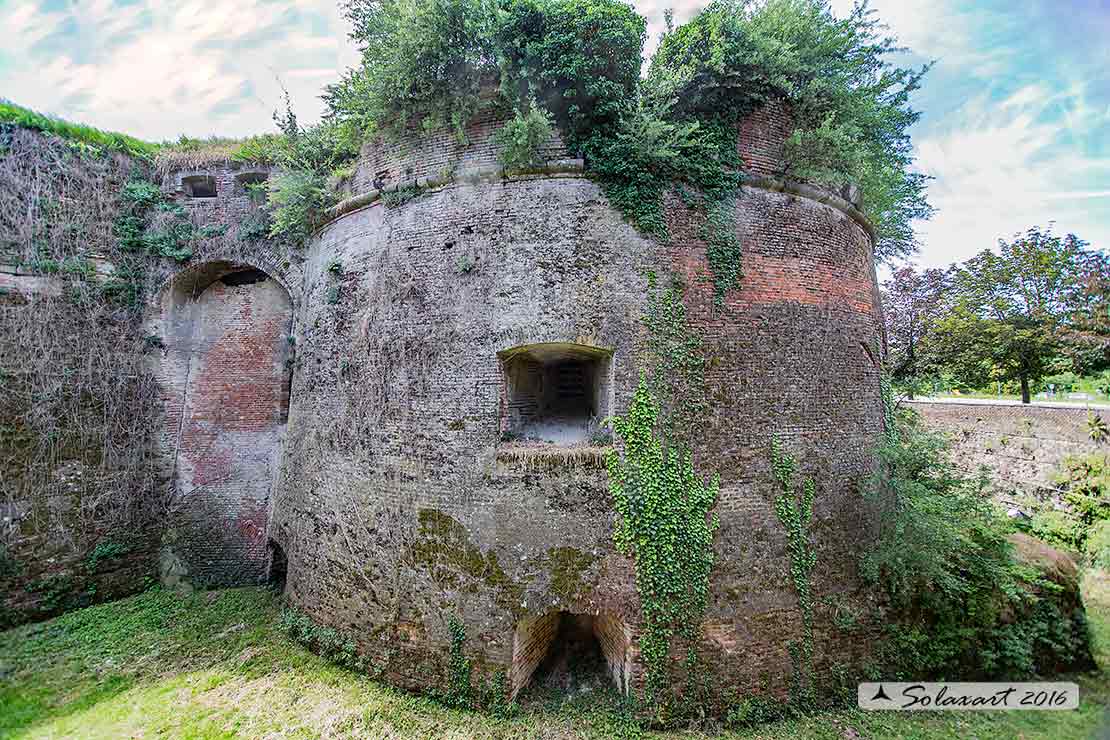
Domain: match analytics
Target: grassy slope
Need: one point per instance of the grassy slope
(216, 666)
(75, 132)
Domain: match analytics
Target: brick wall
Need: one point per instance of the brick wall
(392, 499)
(230, 352)
(1021, 445)
(531, 641)
(620, 654)
(398, 392)
(437, 155)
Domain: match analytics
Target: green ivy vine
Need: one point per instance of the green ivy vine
(666, 527)
(675, 362)
(665, 522)
(459, 689)
(794, 509)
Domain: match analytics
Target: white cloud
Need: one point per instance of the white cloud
(1002, 168)
(160, 69)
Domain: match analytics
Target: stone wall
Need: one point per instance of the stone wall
(400, 502)
(1021, 445)
(84, 508)
(225, 325)
(439, 155)
(393, 488)
(78, 486)
(231, 350)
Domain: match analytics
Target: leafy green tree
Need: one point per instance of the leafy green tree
(1007, 309)
(579, 58)
(1085, 335)
(912, 304)
(849, 102)
(423, 61)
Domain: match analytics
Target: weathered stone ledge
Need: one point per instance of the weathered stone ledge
(424, 185)
(804, 190)
(575, 168)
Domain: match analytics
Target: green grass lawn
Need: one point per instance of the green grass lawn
(216, 665)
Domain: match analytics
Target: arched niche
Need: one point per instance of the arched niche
(226, 374)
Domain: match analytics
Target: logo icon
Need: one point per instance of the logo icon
(880, 694)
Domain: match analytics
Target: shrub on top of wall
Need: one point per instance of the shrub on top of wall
(428, 64)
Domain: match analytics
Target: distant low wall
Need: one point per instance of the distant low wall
(1021, 444)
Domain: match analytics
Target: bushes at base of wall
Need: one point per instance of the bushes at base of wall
(1080, 520)
(967, 597)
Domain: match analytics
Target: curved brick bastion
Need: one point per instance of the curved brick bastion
(457, 335)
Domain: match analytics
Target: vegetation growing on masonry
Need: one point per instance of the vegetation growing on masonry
(1081, 521)
(459, 688)
(794, 510)
(960, 605)
(429, 65)
(85, 139)
(666, 527)
(79, 395)
(664, 507)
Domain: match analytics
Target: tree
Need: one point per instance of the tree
(849, 100)
(1085, 335)
(1007, 311)
(912, 303)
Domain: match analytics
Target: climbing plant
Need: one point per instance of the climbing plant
(675, 362)
(666, 527)
(666, 524)
(459, 689)
(794, 509)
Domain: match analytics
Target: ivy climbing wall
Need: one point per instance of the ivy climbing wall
(88, 434)
(402, 502)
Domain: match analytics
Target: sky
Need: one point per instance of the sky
(1015, 126)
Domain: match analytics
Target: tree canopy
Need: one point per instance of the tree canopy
(1037, 303)
(437, 63)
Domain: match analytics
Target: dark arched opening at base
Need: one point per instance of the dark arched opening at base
(278, 567)
(569, 652)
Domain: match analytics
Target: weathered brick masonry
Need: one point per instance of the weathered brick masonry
(225, 372)
(395, 462)
(379, 456)
(1021, 445)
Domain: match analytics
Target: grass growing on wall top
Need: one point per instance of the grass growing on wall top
(184, 153)
(77, 133)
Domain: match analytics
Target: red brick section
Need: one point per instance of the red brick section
(615, 638)
(533, 638)
(762, 138)
(235, 403)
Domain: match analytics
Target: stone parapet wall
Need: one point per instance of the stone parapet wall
(439, 155)
(1021, 445)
